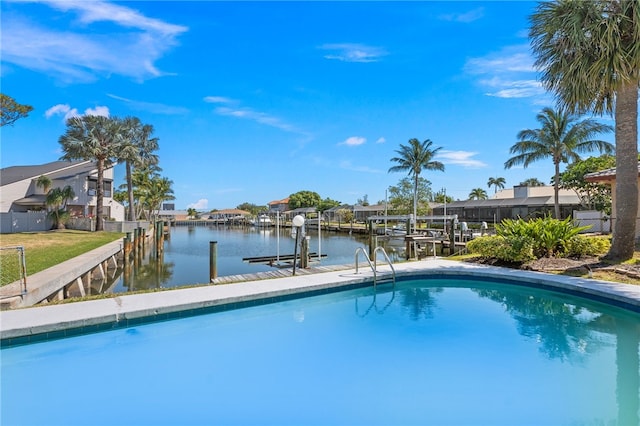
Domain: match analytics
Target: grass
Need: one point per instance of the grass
(46, 249)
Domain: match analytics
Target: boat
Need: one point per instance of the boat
(262, 221)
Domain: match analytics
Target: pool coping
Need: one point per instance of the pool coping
(23, 326)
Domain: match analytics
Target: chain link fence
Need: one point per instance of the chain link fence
(13, 267)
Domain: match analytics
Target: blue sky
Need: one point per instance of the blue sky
(254, 101)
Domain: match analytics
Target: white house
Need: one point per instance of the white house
(19, 192)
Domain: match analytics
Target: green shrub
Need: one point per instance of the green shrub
(581, 245)
(505, 249)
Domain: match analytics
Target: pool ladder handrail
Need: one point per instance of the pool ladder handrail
(374, 265)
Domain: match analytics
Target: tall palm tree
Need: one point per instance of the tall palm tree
(414, 158)
(478, 194)
(93, 138)
(136, 150)
(589, 57)
(498, 182)
(560, 136)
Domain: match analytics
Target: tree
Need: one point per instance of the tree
(414, 158)
(531, 182)
(592, 195)
(327, 204)
(498, 182)
(562, 137)
(478, 194)
(364, 201)
(304, 199)
(44, 182)
(251, 208)
(57, 202)
(192, 213)
(136, 150)
(11, 111)
(93, 138)
(401, 196)
(442, 197)
(589, 57)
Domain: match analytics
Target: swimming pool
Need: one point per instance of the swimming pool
(432, 351)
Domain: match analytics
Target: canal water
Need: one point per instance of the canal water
(185, 258)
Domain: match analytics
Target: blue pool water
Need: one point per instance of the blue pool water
(435, 351)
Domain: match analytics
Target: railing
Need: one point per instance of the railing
(374, 266)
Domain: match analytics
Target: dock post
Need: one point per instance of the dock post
(126, 247)
(213, 260)
(372, 249)
(304, 252)
(452, 237)
(135, 241)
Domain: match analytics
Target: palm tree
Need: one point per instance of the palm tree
(93, 138)
(497, 183)
(57, 201)
(44, 182)
(588, 54)
(414, 158)
(478, 194)
(531, 182)
(136, 150)
(560, 136)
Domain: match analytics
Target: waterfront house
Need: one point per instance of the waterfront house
(517, 202)
(608, 177)
(278, 206)
(21, 194)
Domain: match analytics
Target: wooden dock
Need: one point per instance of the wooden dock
(279, 273)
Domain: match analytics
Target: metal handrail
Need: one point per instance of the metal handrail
(386, 257)
(374, 266)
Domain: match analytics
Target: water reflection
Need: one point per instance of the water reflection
(419, 302)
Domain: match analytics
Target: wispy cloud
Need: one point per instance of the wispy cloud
(381, 140)
(353, 141)
(347, 165)
(250, 114)
(353, 52)
(67, 112)
(460, 158)
(507, 74)
(125, 42)
(153, 107)
(465, 18)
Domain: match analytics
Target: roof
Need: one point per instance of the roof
(513, 202)
(54, 170)
(283, 201)
(231, 211)
(32, 200)
(608, 175)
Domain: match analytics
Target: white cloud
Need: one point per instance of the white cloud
(129, 46)
(151, 106)
(465, 18)
(381, 140)
(201, 204)
(218, 100)
(67, 112)
(459, 158)
(353, 141)
(353, 52)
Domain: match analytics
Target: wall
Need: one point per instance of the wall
(592, 218)
(13, 222)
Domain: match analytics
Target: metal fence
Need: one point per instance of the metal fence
(13, 267)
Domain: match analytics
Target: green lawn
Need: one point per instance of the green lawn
(46, 249)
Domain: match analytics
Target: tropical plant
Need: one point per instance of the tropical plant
(57, 203)
(44, 182)
(413, 158)
(11, 111)
(561, 137)
(136, 150)
(150, 191)
(304, 199)
(93, 138)
(401, 196)
(497, 182)
(531, 182)
(192, 213)
(596, 196)
(478, 194)
(344, 215)
(589, 55)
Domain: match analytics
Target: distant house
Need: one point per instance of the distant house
(608, 177)
(226, 215)
(517, 202)
(279, 206)
(19, 192)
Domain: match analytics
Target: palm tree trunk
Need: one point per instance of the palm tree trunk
(415, 204)
(556, 190)
(99, 195)
(131, 216)
(626, 213)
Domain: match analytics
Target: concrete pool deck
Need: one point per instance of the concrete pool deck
(54, 321)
